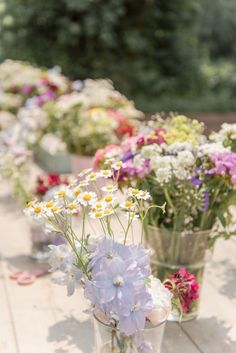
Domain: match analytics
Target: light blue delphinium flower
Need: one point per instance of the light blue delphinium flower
(132, 317)
(118, 281)
(108, 252)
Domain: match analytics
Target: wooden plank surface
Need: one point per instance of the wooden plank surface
(40, 318)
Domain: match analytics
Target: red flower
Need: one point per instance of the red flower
(184, 287)
(45, 183)
(125, 126)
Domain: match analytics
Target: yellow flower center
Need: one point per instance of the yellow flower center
(37, 209)
(128, 204)
(29, 204)
(72, 206)
(107, 211)
(61, 193)
(108, 198)
(49, 204)
(109, 187)
(135, 192)
(118, 164)
(87, 197)
(92, 175)
(98, 214)
(77, 192)
(98, 205)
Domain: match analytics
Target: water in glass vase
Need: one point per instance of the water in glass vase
(173, 250)
(111, 340)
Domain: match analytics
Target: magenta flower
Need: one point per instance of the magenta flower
(184, 287)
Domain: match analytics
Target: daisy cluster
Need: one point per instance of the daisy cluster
(115, 273)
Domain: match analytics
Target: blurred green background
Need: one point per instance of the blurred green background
(165, 54)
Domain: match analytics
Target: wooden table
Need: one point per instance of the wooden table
(40, 318)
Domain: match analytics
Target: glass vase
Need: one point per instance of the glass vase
(110, 340)
(40, 241)
(173, 250)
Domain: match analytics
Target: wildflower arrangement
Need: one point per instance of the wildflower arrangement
(196, 178)
(178, 128)
(112, 267)
(226, 135)
(27, 81)
(98, 114)
(14, 160)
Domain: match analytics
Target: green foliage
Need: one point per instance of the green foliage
(149, 48)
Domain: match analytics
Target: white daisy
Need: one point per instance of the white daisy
(87, 198)
(109, 188)
(106, 173)
(84, 172)
(118, 165)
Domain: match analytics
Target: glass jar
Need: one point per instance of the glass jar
(110, 340)
(40, 241)
(173, 250)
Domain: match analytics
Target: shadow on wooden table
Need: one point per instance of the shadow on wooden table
(23, 262)
(226, 273)
(71, 334)
(210, 335)
(11, 204)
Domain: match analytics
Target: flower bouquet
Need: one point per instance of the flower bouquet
(98, 114)
(27, 81)
(129, 305)
(194, 177)
(14, 161)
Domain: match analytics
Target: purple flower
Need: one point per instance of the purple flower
(128, 156)
(132, 317)
(195, 181)
(206, 201)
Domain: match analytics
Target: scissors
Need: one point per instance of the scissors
(27, 277)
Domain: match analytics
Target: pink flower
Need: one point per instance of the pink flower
(184, 287)
(100, 155)
(224, 164)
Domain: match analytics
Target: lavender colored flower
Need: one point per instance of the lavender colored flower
(108, 252)
(195, 181)
(118, 282)
(127, 157)
(206, 201)
(142, 258)
(71, 278)
(132, 317)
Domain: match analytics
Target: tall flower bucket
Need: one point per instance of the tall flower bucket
(173, 250)
(78, 163)
(110, 340)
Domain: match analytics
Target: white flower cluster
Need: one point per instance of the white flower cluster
(167, 161)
